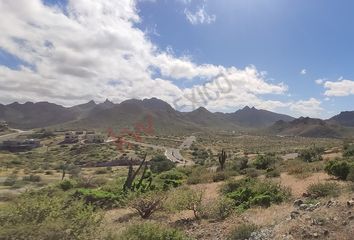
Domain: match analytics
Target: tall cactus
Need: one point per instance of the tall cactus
(222, 159)
(128, 185)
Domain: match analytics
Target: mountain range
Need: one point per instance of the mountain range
(167, 120)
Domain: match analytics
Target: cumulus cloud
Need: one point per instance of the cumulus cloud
(303, 72)
(311, 107)
(340, 88)
(200, 16)
(93, 50)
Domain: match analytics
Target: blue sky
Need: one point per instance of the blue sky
(300, 53)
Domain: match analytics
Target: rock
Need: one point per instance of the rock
(350, 203)
(316, 235)
(298, 202)
(303, 207)
(294, 214)
(331, 203)
(326, 232)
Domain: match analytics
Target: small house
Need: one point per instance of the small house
(71, 137)
(94, 138)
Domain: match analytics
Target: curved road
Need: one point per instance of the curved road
(172, 154)
(14, 135)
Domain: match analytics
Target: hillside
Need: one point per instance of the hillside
(307, 127)
(35, 115)
(256, 118)
(167, 120)
(344, 119)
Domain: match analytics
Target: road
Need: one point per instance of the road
(172, 154)
(14, 135)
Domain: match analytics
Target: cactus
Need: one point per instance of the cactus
(222, 159)
(128, 185)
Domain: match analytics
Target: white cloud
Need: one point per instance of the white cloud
(95, 51)
(319, 81)
(311, 107)
(200, 16)
(303, 72)
(340, 88)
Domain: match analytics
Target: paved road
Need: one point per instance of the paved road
(14, 135)
(172, 154)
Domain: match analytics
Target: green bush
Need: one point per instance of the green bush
(152, 231)
(242, 232)
(160, 164)
(348, 150)
(219, 209)
(100, 198)
(10, 180)
(350, 176)
(171, 179)
(185, 198)
(272, 173)
(340, 169)
(66, 185)
(220, 176)
(248, 192)
(199, 175)
(251, 172)
(317, 190)
(32, 178)
(265, 161)
(311, 155)
(38, 215)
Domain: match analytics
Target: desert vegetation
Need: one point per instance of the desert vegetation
(60, 192)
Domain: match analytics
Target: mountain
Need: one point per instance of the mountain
(344, 119)
(164, 118)
(206, 119)
(35, 115)
(308, 127)
(256, 118)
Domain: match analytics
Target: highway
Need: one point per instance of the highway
(172, 154)
(14, 135)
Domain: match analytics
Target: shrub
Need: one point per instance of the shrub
(10, 180)
(101, 171)
(38, 215)
(100, 198)
(340, 169)
(172, 178)
(350, 176)
(242, 232)
(147, 204)
(251, 172)
(199, 175)
(185, 198)
(66, 185)
(312, 154)
(264, 161)
(48, 172)
(220, 176)
(152, 231)
(242, 163)
(219, 209)
(32, 178)
(328, 189)
(248, 192)
(348, 150)
(160, 164)
(272, 173)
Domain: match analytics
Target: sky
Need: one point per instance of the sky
(292, 57)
